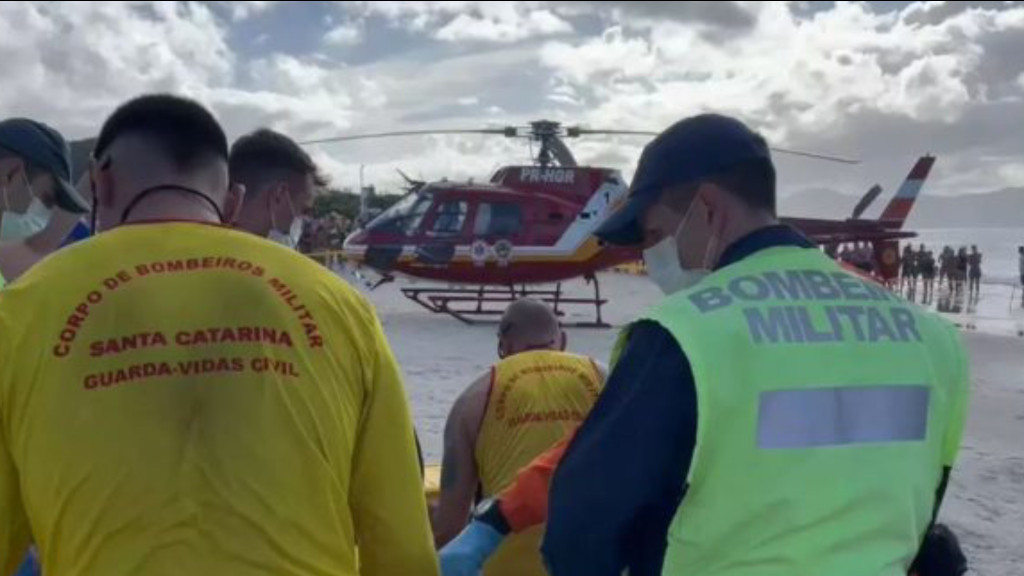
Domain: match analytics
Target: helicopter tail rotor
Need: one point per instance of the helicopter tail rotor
(413, 185)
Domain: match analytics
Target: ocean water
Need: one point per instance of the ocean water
(997, 310)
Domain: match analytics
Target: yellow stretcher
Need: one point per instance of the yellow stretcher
(432, 482)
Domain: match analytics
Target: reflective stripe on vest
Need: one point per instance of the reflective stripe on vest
(819, 417)
(824, 407)
(536, 399)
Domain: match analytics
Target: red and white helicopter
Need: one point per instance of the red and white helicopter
(526, 230)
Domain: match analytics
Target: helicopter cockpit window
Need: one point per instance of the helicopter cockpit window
(416, 214)
(405, 216)
(403, 206)
(451, 216)
(498, 220)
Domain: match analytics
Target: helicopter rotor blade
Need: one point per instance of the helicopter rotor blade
(576, 131)
(509, 131)
(816, 156)
(568, 132)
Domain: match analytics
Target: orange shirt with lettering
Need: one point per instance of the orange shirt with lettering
(524, 503)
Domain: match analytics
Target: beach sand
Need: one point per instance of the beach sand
(985, 502)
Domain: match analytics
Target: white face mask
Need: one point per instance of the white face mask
(664, 266)
(16, 226)
(664, 269)
(294, 235)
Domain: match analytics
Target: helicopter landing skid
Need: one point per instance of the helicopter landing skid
(487, 303)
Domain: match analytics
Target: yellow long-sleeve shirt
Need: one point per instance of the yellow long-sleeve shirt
(181, 398)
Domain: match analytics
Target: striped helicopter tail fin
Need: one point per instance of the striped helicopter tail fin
(896, 213)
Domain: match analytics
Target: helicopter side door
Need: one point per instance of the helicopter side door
(498, 226)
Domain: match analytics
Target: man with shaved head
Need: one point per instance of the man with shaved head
(525, 324)
(182, 397)
(522, 406)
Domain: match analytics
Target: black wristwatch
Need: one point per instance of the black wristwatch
(489, 512)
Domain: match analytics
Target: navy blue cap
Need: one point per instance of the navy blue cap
(46, 149)
(688, 151)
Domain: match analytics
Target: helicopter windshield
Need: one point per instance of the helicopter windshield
(405, 216)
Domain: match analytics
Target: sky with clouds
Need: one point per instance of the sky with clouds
(880, 81)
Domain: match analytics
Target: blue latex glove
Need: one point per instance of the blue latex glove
(466, 554)
(30, 567)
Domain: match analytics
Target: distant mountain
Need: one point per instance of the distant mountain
(1001, 209)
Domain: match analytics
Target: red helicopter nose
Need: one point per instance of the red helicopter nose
(355, 245)
(357, 238)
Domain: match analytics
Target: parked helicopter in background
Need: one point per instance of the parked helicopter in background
(528, 229)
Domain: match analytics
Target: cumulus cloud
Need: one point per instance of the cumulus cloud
(809, 81)
(77, 61)
(883, 85)
(346, 34)
(510, 21)
(484, 21)
(72, 62)
(502, 27)
(734, 16)
(242, 10)
(299, 96)
(937, 12)
(610, 56)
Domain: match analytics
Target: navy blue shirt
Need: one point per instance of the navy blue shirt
(621, 480)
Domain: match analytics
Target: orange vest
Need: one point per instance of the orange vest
(536, 399)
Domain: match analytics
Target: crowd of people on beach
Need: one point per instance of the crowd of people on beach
(325, 233)
(860, 255)
(957, 270)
